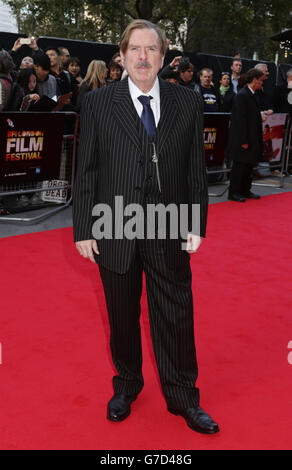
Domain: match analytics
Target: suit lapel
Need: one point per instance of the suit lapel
(168, 114)
(125, 113)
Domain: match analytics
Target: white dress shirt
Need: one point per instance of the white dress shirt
(135, 92)
(234, 83)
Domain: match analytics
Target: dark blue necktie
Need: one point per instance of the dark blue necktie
(147, 115)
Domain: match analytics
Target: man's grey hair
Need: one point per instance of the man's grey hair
(289, 73)
(6, 62)
(261, 67)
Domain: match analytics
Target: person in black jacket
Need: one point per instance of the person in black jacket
(283, 95)
(11, 94)
(184, 69)
(245, 137)
(226, 93)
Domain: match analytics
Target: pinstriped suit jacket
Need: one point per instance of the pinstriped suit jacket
(114, 145)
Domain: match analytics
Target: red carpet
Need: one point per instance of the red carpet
(56, 370)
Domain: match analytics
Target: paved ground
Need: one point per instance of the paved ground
(264, 187)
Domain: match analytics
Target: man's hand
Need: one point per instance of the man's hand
(245, 146)
(33, 45)
(17, 45)
(193, 243)
(175, 61)
(86, 248)
(62, 100)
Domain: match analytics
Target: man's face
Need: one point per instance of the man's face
(53, 56)
(266, 72)
(119, 61)
(143, 58)
(187, 75)
(206, 79)
(64, 56)
(258, 82)
(41, 73)
(236, 67)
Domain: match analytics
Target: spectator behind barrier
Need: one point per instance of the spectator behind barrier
(47, 83)
(11, 94)
(117, 58)
(26, 63)
(208, 91)
(283, 95)
(185, 72)
(28, 81)
(236, 68)
(184, 69)
(16, 50)
(115, 72)
(74, 69)
(62, 77)
(242, 81)
(265, 101)
(226, 93)
(64, 55)
(94, 78)
(75, 77)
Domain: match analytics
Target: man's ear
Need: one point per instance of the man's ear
(123, 58)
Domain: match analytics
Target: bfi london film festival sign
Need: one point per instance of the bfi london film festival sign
(30, 147)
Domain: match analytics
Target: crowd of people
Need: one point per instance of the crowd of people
(55, 74)
(51, 80)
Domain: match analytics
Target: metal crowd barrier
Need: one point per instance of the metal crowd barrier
(288, 163)
(218, 153)
(282, 166)
(48, 196)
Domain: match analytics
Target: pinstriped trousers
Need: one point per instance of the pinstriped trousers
(170, 306)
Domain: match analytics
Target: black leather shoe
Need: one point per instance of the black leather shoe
(236, 197)
(251, 195)
(197, 419)
(119, 407)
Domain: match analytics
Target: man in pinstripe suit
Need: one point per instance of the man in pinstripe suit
(120, 126)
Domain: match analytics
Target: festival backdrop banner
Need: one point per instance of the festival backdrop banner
(30, 146)
(273, 135)
(215, 137)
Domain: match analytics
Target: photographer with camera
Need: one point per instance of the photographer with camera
(184, 69)
(20, 57)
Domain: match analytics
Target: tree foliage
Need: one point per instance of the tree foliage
(212, 26)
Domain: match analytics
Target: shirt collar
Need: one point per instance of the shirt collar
(253, 92)
(135, 91)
